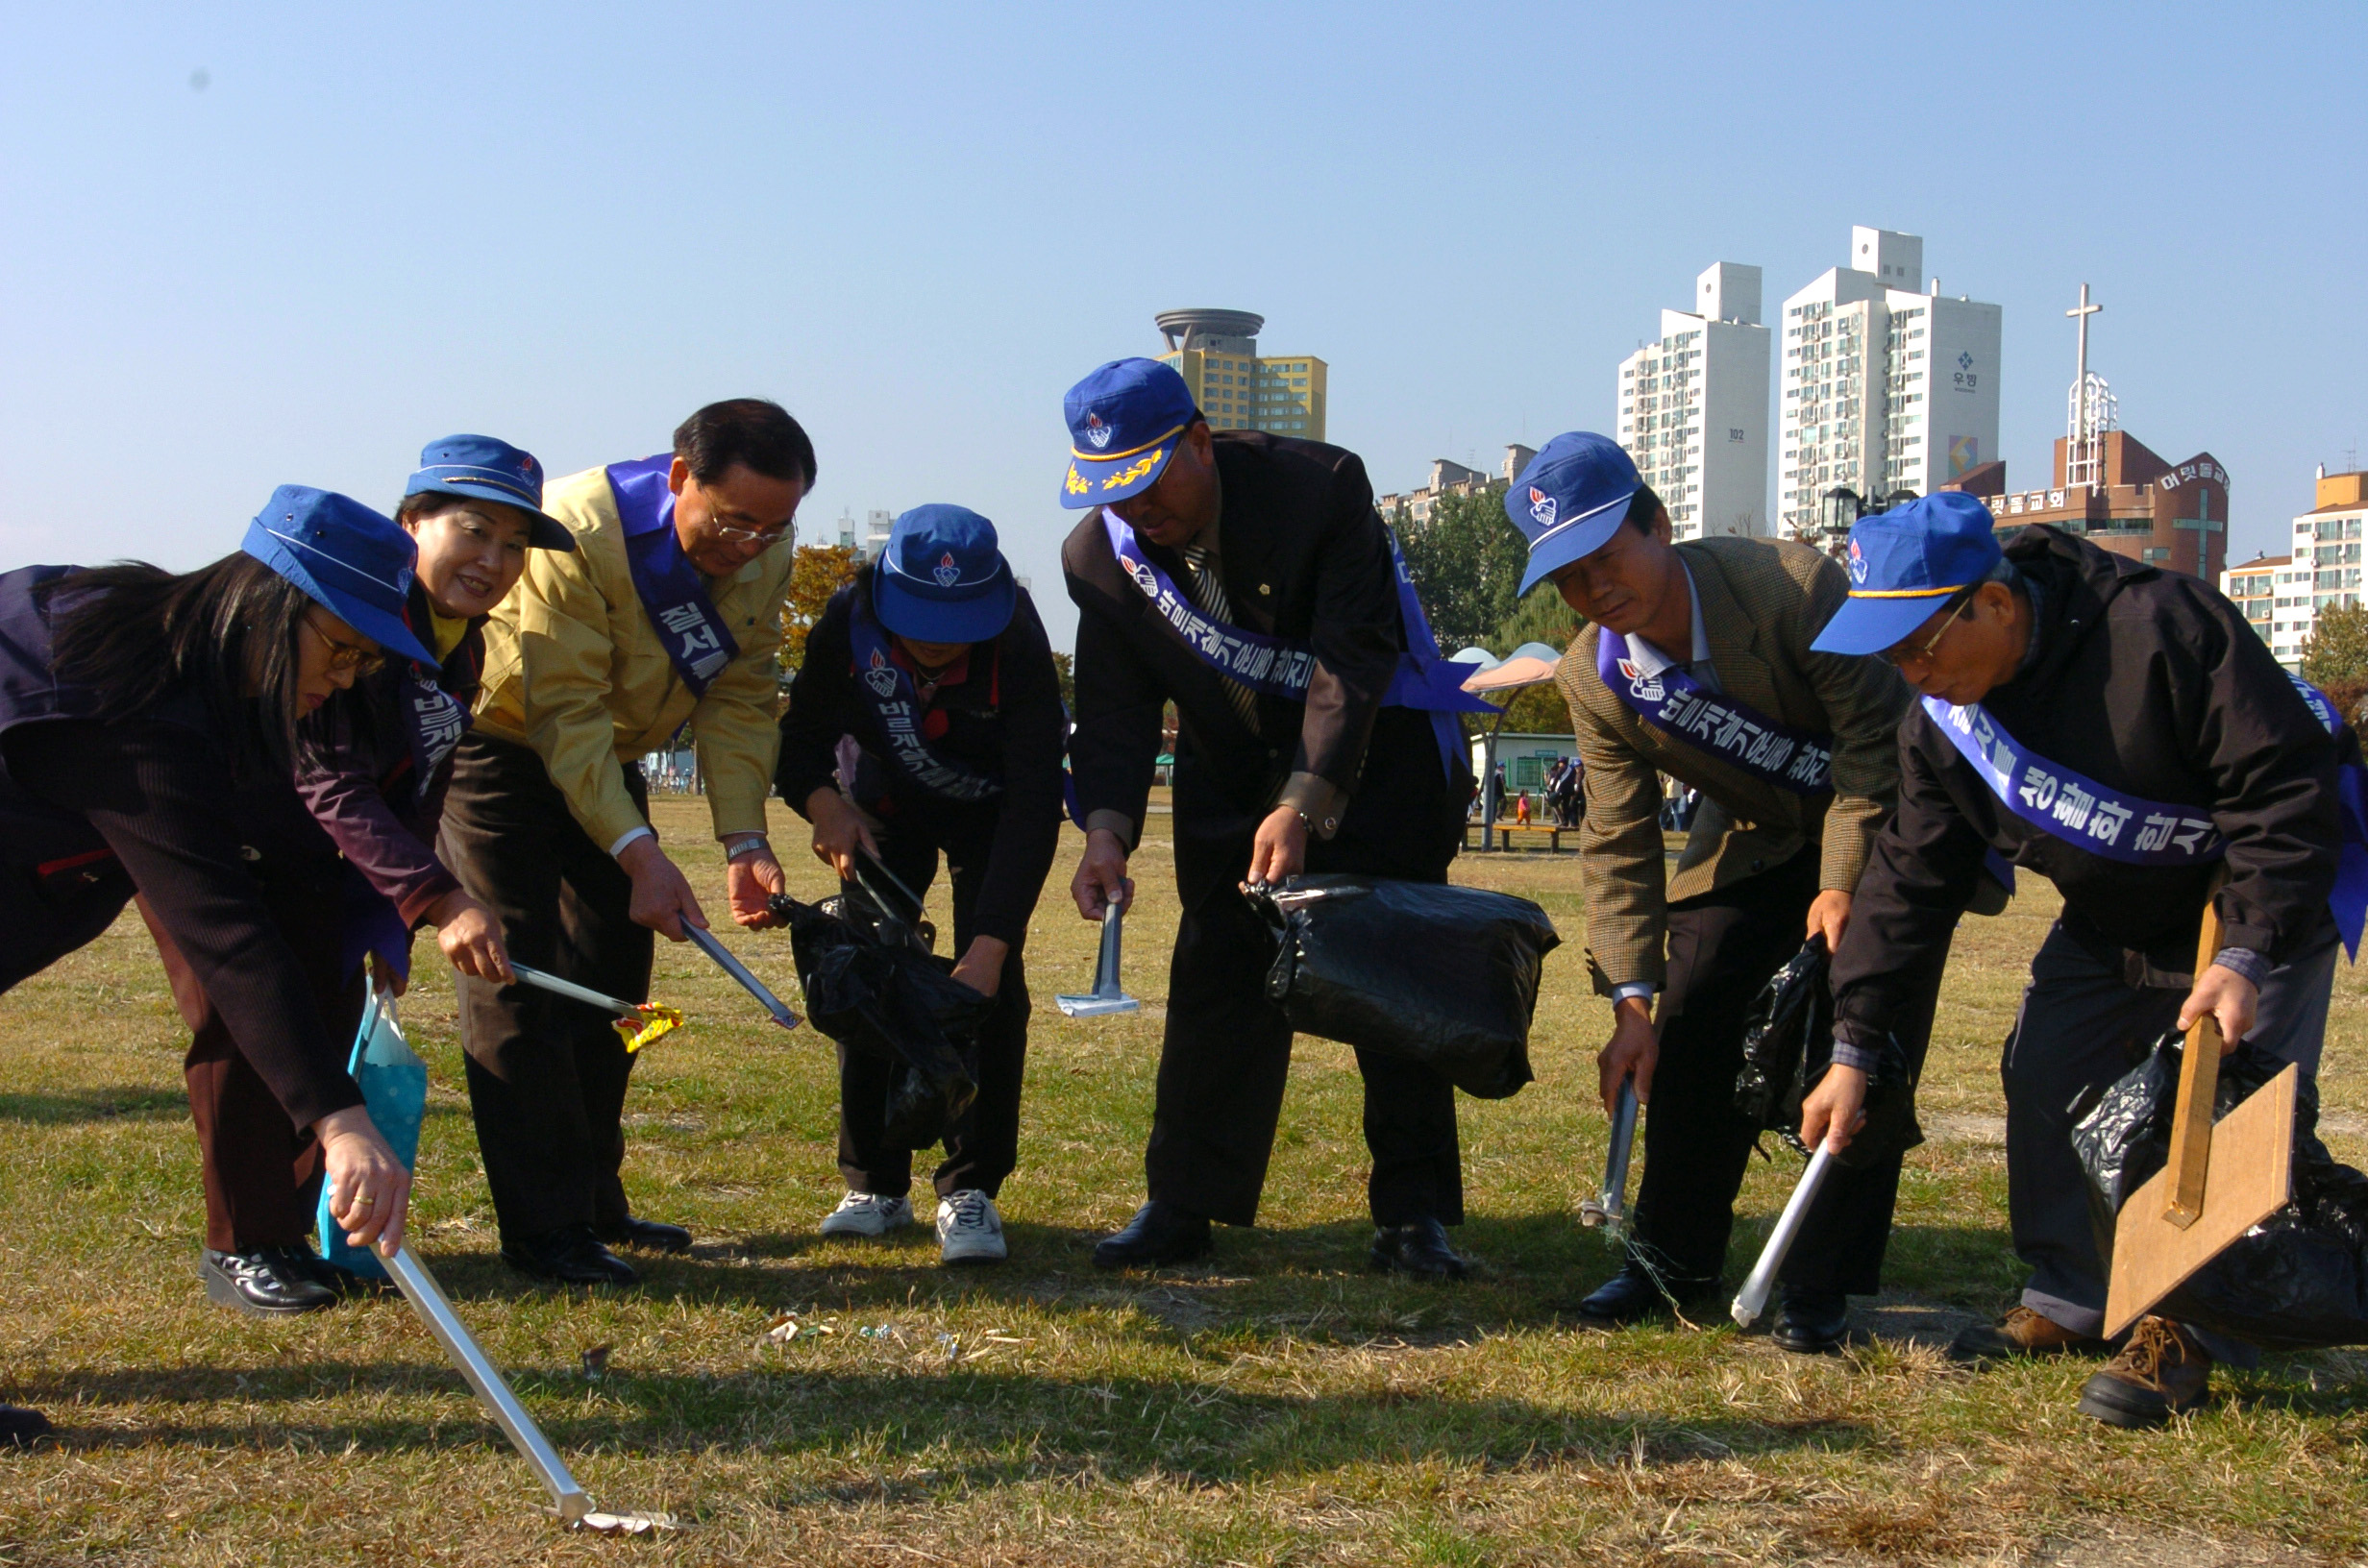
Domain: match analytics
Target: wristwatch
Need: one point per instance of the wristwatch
(748, 845)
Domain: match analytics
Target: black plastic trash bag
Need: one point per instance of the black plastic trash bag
(1788, 1044)
(2297, 1280)
(873, 989)
(1426, 970)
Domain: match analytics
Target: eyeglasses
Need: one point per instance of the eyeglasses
(746, 536)
(1922, 653)
(344, 655)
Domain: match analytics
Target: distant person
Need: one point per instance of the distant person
(1303, 750)
(934, 663)
(1497, 794)
(2194, 758)
(666, 612)
(1695, 664)
(148, 732)
(1520, 808)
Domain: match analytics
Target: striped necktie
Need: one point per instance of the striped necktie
(1209, 593)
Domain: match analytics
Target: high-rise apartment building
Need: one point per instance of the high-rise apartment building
(1237, 387)
(1884, 389)
(1693, 407)
(2323, 573)
(2265, 591)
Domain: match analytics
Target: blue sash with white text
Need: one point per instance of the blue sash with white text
(1735, 733)
(896, 704)
(670, 588)
(1282, 668)
(2119, 825)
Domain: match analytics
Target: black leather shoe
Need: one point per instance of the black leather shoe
(1418, 1250)
(649, 1236)
(1811, 1322)
(268, 1282)
(1631, 1295)
(20, 1428)
(573, 1256)
(1160, 1232)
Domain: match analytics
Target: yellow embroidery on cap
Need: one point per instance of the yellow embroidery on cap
(1134, 470)
(1076, 483)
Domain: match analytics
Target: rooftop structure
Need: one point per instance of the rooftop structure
(1235, 387)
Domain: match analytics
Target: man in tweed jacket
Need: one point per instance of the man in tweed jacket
(1719, 630)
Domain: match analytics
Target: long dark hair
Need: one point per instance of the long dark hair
(130, 634)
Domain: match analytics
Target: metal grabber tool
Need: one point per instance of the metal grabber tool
(1752, 1300)
(1609, 1209)
(1107, 995)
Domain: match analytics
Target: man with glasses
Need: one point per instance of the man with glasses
(1695, 663)
(2120, 730)
(1247, 579)
(667, 612)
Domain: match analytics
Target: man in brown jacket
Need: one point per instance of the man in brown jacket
(1697, 663)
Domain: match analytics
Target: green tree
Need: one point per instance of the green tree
(2335, 656)
(1466, 560)
(816, 572)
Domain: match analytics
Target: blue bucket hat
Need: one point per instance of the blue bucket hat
(351, 561)
(1124, 421)
(490, 470)
(1571, 498)
(1903, 563)
(942, 580)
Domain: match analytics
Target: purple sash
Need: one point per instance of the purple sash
(670, 589)
(896, 704)
(1739, 735)
(2119, 825)
(1281, 668)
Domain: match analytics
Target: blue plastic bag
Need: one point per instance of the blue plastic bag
(394, 1089)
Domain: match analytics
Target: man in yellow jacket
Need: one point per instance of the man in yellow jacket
(666, 613)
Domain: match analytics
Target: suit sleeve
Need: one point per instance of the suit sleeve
(822, 708)
(733, 724)
(1356, 640)
(564, 650)
(1114, 750)
(349, 804)
(1865, 699)
(1920, 876)
(164, 802)
(2277, 796)
(1027, 831)
(1621, 862)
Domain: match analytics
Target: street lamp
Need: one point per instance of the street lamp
(1843, 508)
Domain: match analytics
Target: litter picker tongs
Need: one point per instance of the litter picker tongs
(705, 942)
(1610, 1210)
(1752, 1300)
(1107, 995)
(568, 1497)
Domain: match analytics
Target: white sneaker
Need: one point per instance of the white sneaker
(868, 1213)
(969, 1230)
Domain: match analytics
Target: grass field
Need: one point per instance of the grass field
(1277, 1404)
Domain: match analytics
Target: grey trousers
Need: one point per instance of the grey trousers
(2080, 1027)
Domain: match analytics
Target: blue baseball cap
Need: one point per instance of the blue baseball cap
(942, 579)
(490, 470)
(351, 561)
(1903, 563)
(1124, 421)
(1569, 499)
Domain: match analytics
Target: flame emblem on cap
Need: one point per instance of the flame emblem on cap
(1096, 433)
(1542, 507)
(947, 573)
(1857, 563)
(881, 677)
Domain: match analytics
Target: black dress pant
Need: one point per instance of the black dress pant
(1723, 947)
(546, 1075)
(1226, 1053)
(983, 1145)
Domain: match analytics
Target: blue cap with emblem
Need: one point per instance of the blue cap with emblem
(1124, 421)
(942, 579)
(348, 559)
(1569, 498)
(1904, 564)
(491, 470)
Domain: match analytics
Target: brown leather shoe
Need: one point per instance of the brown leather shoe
(2158, 1374)
(2022, 1332)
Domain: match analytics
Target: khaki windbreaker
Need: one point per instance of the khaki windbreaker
(575, 670)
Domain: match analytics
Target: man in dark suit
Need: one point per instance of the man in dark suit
(1247, 579)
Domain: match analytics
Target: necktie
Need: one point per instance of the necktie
(1209, 593)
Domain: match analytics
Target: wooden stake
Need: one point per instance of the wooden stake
(2199, 1081)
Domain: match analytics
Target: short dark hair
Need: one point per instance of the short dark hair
(753, 431)
(1643, 507)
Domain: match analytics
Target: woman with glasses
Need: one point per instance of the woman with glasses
(148, 730)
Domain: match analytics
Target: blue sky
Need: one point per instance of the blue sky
(916, 226)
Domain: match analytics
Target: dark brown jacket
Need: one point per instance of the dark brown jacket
(2146, 679)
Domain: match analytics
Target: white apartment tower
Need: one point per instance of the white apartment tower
(1884, 389)
(1693, 407)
